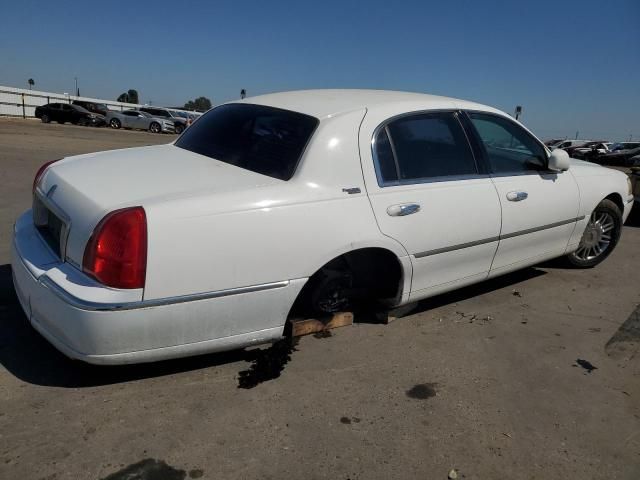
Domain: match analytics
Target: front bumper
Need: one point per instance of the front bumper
(167, 128)
(100, 325)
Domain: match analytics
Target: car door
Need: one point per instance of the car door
(140, 121)
(429, 193)
(128, 119)
(54, 110)
(66, 114)
(539, 206)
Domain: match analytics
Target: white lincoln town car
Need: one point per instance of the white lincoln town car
(308, 201)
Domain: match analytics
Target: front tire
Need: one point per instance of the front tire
(600, 236)
(179, 129)
(154, 127)
(45, 118)
(115, 123)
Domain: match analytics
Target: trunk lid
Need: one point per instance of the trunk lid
(83, 189)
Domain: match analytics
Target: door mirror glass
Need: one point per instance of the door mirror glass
(559, 160)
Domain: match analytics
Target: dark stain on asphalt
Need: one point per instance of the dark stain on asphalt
(588, 366)
(148, 469)
(267, 364)
(196, 473)
(323, 334)
(422, 391)
(348, 421)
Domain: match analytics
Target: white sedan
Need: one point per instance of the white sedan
(296, 203)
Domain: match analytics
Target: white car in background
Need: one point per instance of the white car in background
(135, 119)
(568, 143)
(307, 202)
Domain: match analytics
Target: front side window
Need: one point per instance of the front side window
(423, 146)
(265, 140)
(509, 148)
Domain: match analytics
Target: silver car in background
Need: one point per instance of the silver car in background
(139, 120)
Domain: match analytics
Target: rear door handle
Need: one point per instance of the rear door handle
(517, 196)
(403, 209)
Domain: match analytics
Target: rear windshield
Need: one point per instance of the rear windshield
(262, 139)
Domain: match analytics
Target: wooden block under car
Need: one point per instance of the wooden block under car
(311, 325)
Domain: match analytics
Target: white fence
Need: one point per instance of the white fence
(20, 102)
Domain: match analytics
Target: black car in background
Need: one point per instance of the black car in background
(63, 113)
(93, 107)
(619, 158)
(179, 122)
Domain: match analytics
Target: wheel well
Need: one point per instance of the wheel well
(617, 199)
(376, 271)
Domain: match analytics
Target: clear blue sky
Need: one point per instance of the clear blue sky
(573, 65)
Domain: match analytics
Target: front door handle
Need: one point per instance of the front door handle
(403, 209)
(517, 196)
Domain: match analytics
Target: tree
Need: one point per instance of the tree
(31, 83)
(130, 96)
(201, 104)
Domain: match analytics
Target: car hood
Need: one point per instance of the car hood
(87, 187)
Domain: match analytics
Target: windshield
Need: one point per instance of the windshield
(265, 140)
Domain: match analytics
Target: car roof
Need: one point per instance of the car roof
(330, 102)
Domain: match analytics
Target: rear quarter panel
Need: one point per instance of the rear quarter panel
(273, 233)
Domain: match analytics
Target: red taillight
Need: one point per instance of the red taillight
(40, 172)
(116, 254)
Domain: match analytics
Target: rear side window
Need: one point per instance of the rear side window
(424, 146)
(265, 140)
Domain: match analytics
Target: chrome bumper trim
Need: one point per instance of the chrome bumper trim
(96, 306)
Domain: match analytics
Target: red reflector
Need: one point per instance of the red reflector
(116, 254)
(40, 172)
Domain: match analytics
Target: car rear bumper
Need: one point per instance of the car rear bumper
(96, 324)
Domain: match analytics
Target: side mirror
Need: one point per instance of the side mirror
(559, 160)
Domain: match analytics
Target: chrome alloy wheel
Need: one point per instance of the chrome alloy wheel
(597, 237)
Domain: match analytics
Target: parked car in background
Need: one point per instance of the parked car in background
(600, 146)
(180, 123)
(190, 117)
(554, 141)
(624, 146)
(619, 158)
(568, 143)
(92, 107)
(635, 183)
(136, 119)
(63, 113)
(307, 202)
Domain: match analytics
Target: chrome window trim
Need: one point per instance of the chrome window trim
(82, 304)
(424, 180)
(475, 243)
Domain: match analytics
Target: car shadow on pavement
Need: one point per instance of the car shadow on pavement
(29, 357)
(455, 296)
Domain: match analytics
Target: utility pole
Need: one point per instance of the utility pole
(577, 132)
(518, 111)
